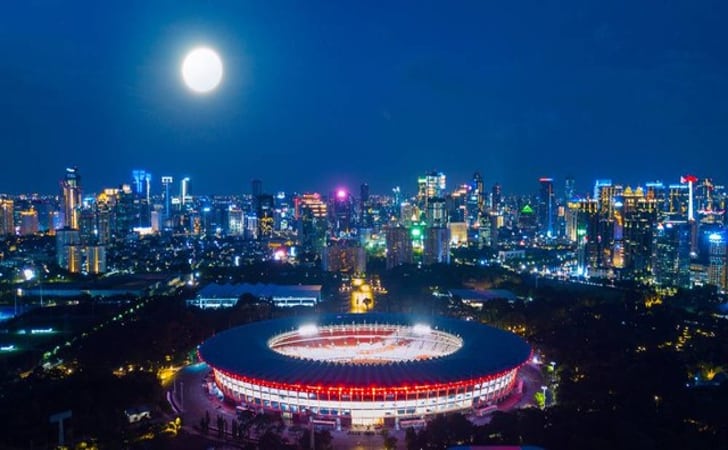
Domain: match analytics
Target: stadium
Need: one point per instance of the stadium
(365, 370)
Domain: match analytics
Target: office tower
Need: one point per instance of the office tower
(571, 218)
(184, 193)
(459, 233)
(429, 186)
(68, 249)
(496, 197)
(341, 208)
(126, 216)
(265, 214)
(436, 213)
(344, 255)
(589, 247)
(546, 206)
(671, 263)
(139, 178)
(95, 259)
(718, 265)
(236, 221)
(478, 193)
(166, 183)
(657, 190)
(399, 246)
(677, 202)
(569, 189)
(29, 222)
(436, 246)
(311, 215)
(456, 205)
(7, 219)
(364, 192)
(71, 193)
(639, 220)
(87, 225)
(256, 191)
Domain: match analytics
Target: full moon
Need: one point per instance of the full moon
(202, 70)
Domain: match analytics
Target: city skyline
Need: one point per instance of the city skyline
(366, 96)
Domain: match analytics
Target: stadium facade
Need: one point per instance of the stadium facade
(363, 370)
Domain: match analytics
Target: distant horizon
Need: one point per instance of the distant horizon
(407, 189)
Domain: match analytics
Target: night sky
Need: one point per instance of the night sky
(323, 94)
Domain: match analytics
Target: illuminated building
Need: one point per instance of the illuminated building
(7, 219)
(496, 197)
(365, 369)
(166, 183)
(28, 222)
(184, 192)
(227, 295)
(399, 246)
(126, 212)
(71, 192)
(436, 246)
(311, 215)
(344, 255)
(640, 215)
(96, 259)
(589, 249)
(571, 219)
(569, 189)
(266, 216)
(458, 233)
(430, 186)
(436, 214)
(341, 208)
(236, 221)
(546, 206)
(671, 265)
(718, 265)
(256, 191)
(87, 225)
(68, 249)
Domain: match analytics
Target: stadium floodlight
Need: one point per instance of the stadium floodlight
(308, 330)
(421, 329)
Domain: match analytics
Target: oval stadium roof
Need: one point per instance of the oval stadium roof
(244, 351)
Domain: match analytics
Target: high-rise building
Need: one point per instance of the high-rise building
(71, 190)
(68, 249)
(96, 259)
(166, 183)
(184, 193)
(639, 221)
(266, 216)
(671, 263)
(718, 264)
(399, 246)
(341, 208)
(569, 189)
(311, 214)
(344, 255)
(436, 213)
(430, 186)
(7, 219)
(589, 246)
(29, 222)
(436, 246)
(546, 207)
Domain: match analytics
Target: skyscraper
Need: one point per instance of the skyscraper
(639, 220)
(671, 265)
(7, 221)
(166, 183)
(718, 264)
(28, 222)
(436, 246)
(184, 192)
(71, 190)
(399, 246)
(546, 206)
